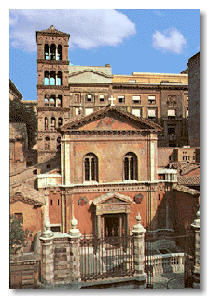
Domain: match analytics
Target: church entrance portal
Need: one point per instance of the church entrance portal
(113, 225)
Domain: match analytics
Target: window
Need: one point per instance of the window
(77, 98)
(101, 97)
(59, 52)
(151, 99)
(52, 100)
(59, 78)
(130, 167)
(136, 99)
(19, 217)
(52, 52)
(151, 113)
(186, 158)
(47, 52)
(59, 101)
(187, 113)
(136, 112)
(60, 122)
(88, 111)
(46, 102)
(78, 111)
(47, 143)
(121, 99)
(53, 123)
(46, 127)
(46, 78)
(171, 113)
(171, 130)
(91, 167)
(89, 98)
(52, 78)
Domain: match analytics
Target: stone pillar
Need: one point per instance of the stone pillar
(99, 226)
(138, 249)
(196, 270)
(74, 241)
(47, 257)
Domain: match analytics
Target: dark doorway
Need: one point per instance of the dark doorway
(111, 226)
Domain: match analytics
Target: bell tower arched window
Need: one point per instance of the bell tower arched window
(59, 78)
(130, 166)
(52, 100)
(46, 78)
(59, 52)
(90, 167)
(52, 78)
(47, 52)
(59, 101)
(52, 52)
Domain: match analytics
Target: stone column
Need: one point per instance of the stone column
(74, 241)
(196, 270)
(47, 257)
(138, 249)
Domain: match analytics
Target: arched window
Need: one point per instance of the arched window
(52, 52)
(47, 52)
(46, 78)
(90, 167)
(46, 101)
(59, 78)
(59, 101)
(130, 167)
(59, 53)
(60, 122)
(52, 78)
(47, 143)
(46, 127)
(52, 100)
(53, 123)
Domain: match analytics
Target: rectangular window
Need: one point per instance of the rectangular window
(151, 113)
(136, 112)
(136, 99)
(88, 111)
(101, 97)
(19, 216)
(171, 113)
(186, 158)
(76, 98)
(121, 99)
(171, 130)
(151, 99)
(89, 98)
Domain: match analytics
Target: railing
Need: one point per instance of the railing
(165, 263)
(108, 257)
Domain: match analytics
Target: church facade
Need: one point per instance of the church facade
(108, 174)
(65, 91)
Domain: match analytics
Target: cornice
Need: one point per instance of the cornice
(48, 108)
(53, 62)
(52, 87)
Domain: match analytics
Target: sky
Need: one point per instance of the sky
(131, 40)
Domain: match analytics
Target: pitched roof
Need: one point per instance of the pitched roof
(185, 189)
(189, 180)
(27, 194)
(144, 125)
(52, 31)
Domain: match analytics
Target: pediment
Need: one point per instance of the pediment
(110, 118)
(89, 72)
(113, 199)
(89, 76)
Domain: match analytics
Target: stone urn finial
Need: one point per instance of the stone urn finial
(196, 223)
(47, 232)
(138, 228)
(74, 231)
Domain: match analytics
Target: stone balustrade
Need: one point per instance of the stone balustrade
(47, 180)
(166, 263)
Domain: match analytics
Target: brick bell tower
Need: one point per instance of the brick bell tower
(52, 90)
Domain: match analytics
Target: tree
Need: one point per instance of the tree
(17, 236)
(18, 112)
